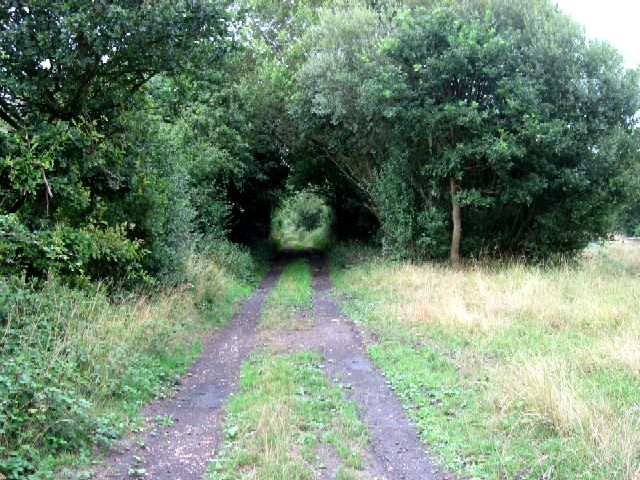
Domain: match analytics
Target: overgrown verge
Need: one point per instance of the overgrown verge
(76, 364)
(287, 422)
(291, 294)
(511, 370)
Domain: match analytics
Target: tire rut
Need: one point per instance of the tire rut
(183, 450)
(396, 451)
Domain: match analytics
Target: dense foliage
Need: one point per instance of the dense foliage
(628, 217)
(122, 145)
(133, 133)
(497, 116)
(122, 141)
(132, 129)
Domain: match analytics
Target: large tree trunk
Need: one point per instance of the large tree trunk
(457, 225)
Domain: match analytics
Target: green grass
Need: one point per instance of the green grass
(76, 365)
(284, 418)
(512, 371)
(292, 293)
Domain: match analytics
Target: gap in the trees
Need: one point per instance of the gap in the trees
(302, 220)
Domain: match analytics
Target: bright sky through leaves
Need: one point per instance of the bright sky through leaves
(612, 20)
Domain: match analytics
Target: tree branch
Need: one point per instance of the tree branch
(4, 114)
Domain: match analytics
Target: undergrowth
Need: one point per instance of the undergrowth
(76, 364)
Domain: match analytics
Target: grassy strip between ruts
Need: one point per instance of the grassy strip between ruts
(287, 422)
(292, 293)
(512, 371)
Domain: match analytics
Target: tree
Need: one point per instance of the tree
(64, 59)
(515, 115)
(627, 220)
(71, 172)
(271, 50)
(342, 92)
(458, 69)
(500, 113)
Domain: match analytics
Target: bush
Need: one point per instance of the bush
(79, 254)
(76, 363)
(459, 97)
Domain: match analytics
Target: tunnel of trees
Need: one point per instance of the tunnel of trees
(131, 130)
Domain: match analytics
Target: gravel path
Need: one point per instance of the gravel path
(396, 448)
(396, 451)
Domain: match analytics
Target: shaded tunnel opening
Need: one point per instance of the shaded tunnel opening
(314, 217)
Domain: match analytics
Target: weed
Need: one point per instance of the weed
(164, 420)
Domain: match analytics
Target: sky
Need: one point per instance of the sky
(617, 21)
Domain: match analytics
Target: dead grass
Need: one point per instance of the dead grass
(556, 348)
(546, 393)
(621, 350)
(625, 253)
(482, 300)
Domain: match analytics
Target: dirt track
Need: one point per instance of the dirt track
(182, 451)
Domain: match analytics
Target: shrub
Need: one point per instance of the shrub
(79, 254)
(235, 259)
(76, 363)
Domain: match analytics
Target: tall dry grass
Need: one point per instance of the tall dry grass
(550, 393)
(485, 299)
(112, 335)
(555, 347)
